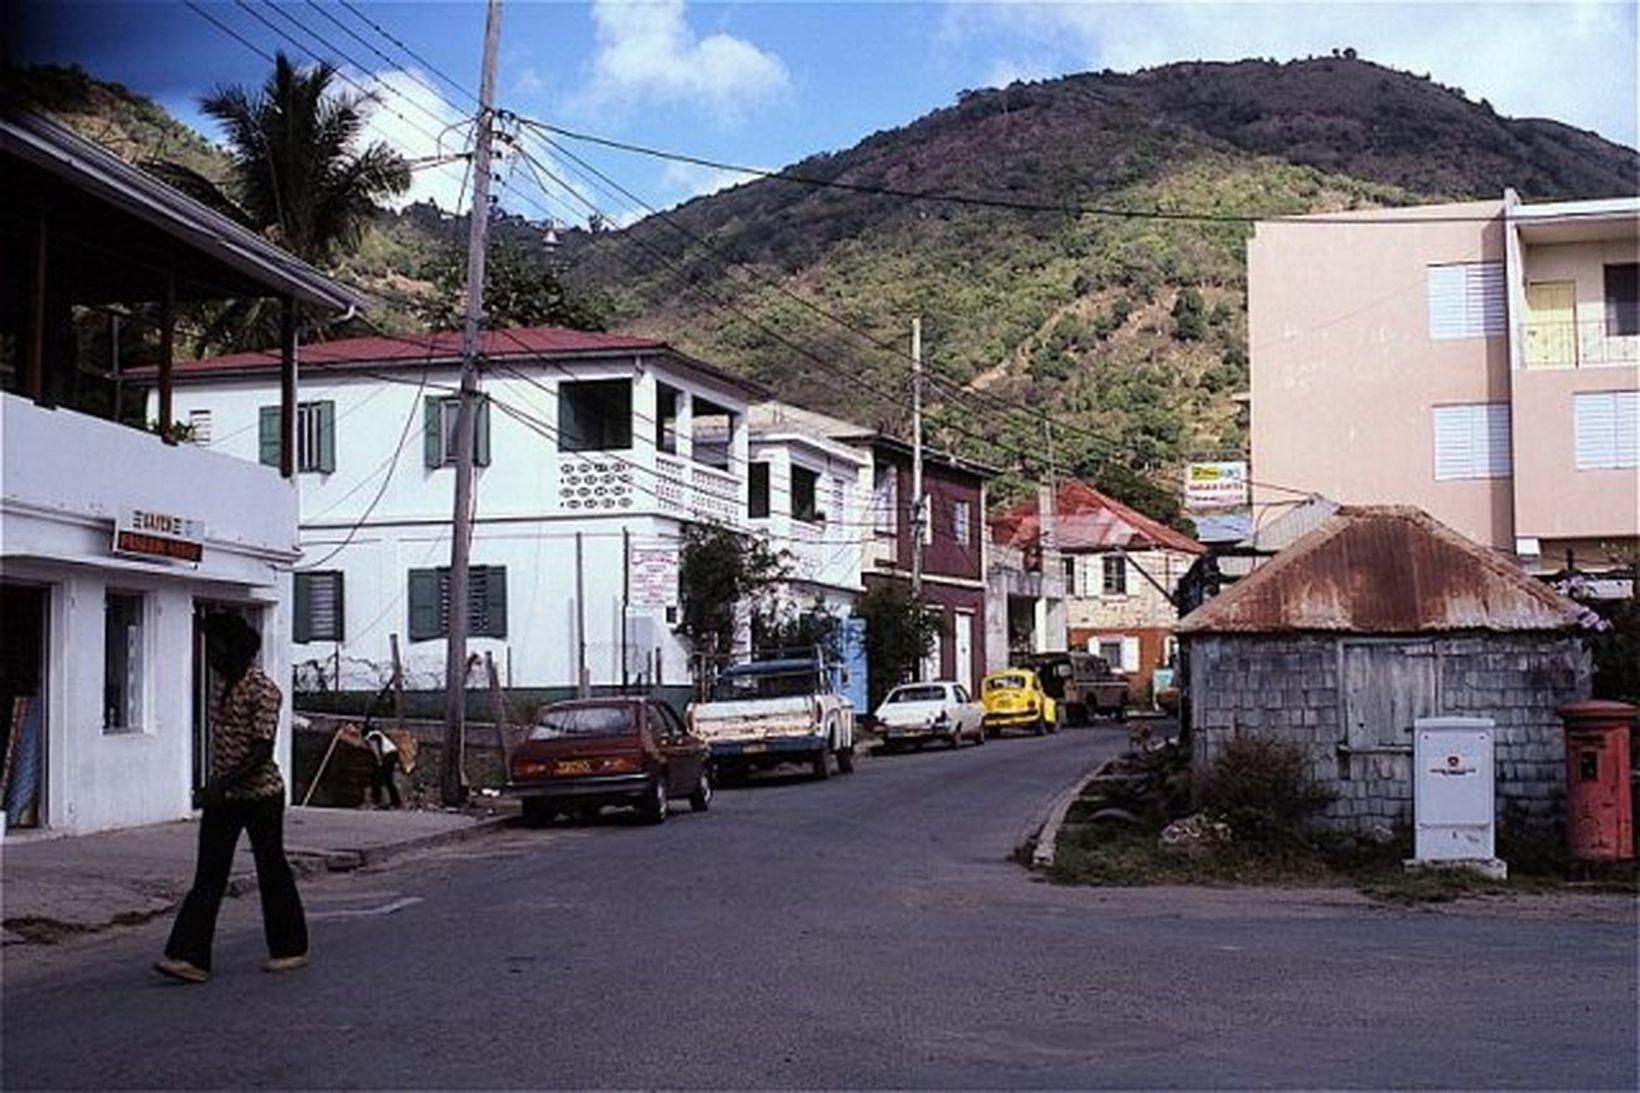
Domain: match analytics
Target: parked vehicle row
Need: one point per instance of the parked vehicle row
(582, 755)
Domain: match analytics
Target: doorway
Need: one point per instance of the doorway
(203, 681)
(1551, 324)
(963, 670)
(23, 703)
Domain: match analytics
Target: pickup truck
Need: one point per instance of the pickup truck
(770, 712)
(1083, 683)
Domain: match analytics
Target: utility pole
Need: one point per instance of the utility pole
(919, 512)
(452, 778)
(1048, 552)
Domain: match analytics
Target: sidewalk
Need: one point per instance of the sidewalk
(58, 887)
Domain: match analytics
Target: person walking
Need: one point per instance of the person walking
(387, 760)
(244, 793)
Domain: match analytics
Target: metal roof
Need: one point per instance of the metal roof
(444, 347)
(1088, 520)
(79, 163)
(1384, 569)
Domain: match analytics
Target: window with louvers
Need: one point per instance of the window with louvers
(1467, 300)
(318, 609)
(1608, 429)
(486, 602)
(1472, 441)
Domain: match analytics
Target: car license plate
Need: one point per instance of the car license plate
(753, 749)
(573, 766)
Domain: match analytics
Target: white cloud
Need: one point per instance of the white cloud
(649, 55)
(409, 117)
(688, 180)
(1574, 62)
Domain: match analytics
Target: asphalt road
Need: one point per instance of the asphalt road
(863, 932)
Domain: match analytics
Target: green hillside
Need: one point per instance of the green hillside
(1129, 330)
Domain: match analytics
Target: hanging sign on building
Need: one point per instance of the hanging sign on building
(652, 575)
(1215, 485)
(142, 533)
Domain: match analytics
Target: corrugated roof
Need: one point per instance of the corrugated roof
(1384, 569)
(1089, 520)
(514, 343)
(66, 155)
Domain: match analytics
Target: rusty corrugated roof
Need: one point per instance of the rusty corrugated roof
(1384, 569)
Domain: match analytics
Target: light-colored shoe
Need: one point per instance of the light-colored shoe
(181, 970)
(286, 963)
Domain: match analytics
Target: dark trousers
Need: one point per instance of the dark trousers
(282, 920)
(382, 778)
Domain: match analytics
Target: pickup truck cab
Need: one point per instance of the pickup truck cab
(766, 713)
(1083, 685)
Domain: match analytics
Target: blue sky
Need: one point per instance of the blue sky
(769, 83)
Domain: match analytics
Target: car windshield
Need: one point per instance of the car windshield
(741, 686)
(918, 694)
(555, 723)
(1006, 683)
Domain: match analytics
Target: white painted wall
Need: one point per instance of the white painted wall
(66, 477)
(383, 512)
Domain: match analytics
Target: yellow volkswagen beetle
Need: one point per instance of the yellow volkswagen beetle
(1013, 699)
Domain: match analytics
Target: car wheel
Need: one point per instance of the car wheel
(1041, 726)
(654, 807)
(538, 812)
(701, 799)
(845, 761)
(821, 764)
(980, 734)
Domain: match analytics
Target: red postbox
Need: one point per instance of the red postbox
(1599, 802)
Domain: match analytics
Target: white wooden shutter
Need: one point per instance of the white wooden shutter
(1472, 441)
(1608, 429)
(1467, 300)
(1130, 653)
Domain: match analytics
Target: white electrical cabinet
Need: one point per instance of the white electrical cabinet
(1453, 804)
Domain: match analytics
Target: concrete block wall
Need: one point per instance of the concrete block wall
(1288, 686)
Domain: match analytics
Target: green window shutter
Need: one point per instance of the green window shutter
(433, 433)
(341, 602)
(426, 621)
(327, 436)
(302, 608)
(267, 424)
(481, 432)
(495, 601)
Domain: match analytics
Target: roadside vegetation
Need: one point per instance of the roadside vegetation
(1251, 825)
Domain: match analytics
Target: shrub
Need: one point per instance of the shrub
(1259, 785)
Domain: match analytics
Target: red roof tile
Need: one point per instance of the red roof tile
(1089, 520)
(513, 342)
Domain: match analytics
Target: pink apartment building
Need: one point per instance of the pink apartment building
(1480, 361)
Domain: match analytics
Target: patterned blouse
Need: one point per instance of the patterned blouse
(244, 714)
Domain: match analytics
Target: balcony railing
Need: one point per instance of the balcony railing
(1587, 344)
(695, 491)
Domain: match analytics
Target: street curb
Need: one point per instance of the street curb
(304, 862)
(1045, 824)
(342, 861)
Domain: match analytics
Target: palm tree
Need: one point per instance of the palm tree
(295, 176)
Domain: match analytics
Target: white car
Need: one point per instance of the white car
(915, 713)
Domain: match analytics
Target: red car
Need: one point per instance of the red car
(587, 753)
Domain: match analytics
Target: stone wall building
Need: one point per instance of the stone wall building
(1381, 616)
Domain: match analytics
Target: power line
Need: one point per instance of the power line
(1013, 204)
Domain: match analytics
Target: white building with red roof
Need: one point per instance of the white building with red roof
(1121, 571)
(592, 451)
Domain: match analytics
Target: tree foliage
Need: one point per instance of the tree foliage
(899, 633)
(520, 289)
(723, 576)
(298, 175)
